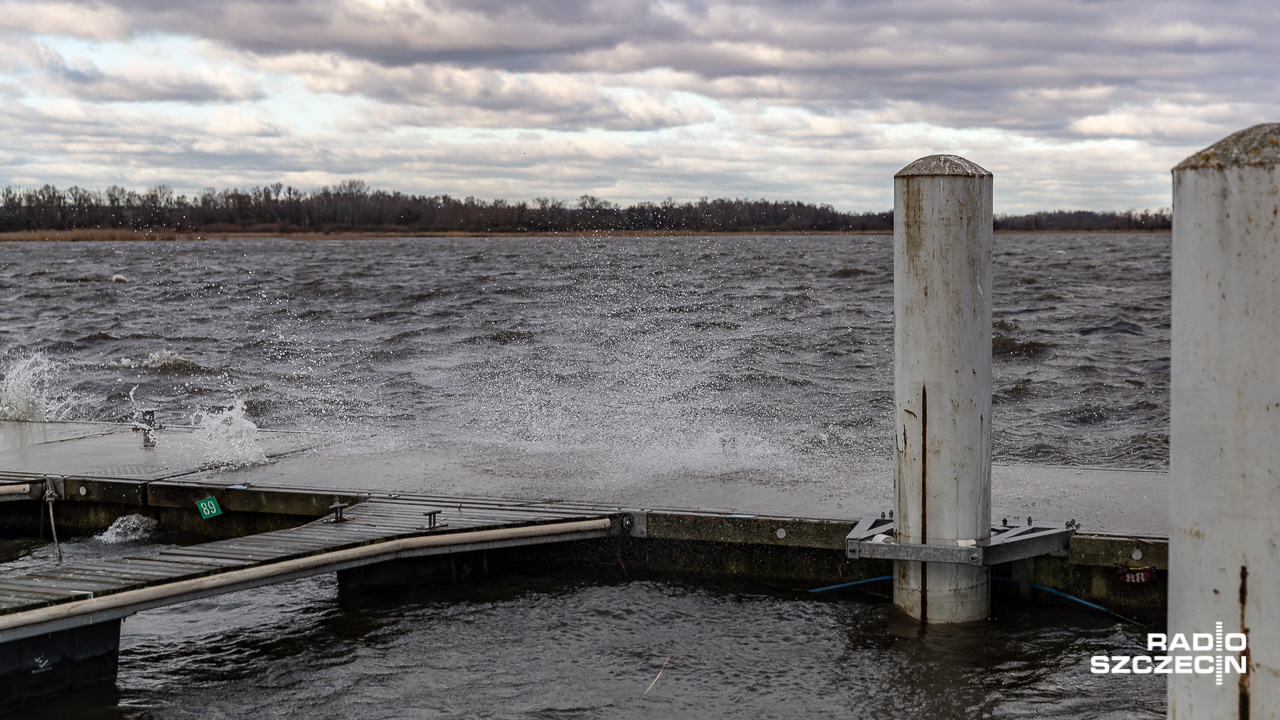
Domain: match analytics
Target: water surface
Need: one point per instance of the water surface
(605, 360)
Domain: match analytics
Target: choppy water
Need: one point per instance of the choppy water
(626, 358)
(766, 352)
(522, 647)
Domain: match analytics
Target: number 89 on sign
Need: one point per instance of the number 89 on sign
(208, 507)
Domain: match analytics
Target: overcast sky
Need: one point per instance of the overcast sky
(1070, 104)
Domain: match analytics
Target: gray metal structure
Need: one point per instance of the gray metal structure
(873, 539)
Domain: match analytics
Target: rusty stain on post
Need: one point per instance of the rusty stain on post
(924, 493)
(1242, 694)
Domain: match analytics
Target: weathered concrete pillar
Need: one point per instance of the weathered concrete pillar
(1224, 499)
(942, 381)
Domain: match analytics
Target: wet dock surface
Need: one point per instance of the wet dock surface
(1117, 502)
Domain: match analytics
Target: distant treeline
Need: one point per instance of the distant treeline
(352, 206)
(1067, 220)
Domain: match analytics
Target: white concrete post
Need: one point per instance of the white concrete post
(942, 381)
(1224, 495)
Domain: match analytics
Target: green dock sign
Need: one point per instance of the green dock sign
(209, 507)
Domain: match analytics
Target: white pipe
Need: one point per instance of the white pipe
(1224, 485)
(313, 562)
(942, 381)
(23, 489)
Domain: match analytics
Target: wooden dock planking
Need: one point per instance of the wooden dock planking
(374, 521)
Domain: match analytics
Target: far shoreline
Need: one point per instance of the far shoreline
(125, 235)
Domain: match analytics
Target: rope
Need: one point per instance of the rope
(50, 495)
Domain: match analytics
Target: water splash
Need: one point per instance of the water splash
(130, 528)
(31, 390)
(230, 439)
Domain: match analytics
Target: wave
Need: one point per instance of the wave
(163, 360)
(1005, 346)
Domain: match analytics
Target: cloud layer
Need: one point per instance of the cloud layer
(1071, 104)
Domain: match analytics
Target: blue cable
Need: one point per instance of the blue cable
(1051, 591)
(852, 584)
(1074, 599)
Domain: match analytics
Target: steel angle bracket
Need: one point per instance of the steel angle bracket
(872, 539)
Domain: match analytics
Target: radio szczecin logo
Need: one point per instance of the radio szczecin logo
(1216, 654)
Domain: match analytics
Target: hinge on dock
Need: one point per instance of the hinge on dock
(873, 539)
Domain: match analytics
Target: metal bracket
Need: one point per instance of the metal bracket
(145, 423)
(872, 539)
(433, 521)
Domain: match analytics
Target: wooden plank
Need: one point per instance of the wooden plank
(352, 528)
(449, 501)
(389, 526)
(30, 594)
(358, 529)
(383, 521)
(179, 565)
(342, 540)
(206, 553)
(281, 552)
(75, 583)
(224, 551)
(15, 585)
(97, 571)
(295, 545)
(480, 510)
(451, 505)
(101, 577)
(60, 584)
(322, 535)
(374, 515)
(10, 604)
(136, 569)
(200, 560)
(360, 525)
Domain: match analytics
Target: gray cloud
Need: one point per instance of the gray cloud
(138, 82)
(1037, 68)
(1073, 103)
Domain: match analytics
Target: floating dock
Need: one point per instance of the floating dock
(278, 522)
